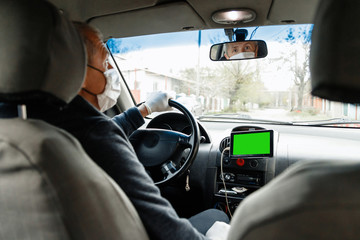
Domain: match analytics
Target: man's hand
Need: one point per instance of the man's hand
(158, 102)
(218, 231)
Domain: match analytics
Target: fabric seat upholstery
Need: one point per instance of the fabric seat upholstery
(311, 200)
(49, 187)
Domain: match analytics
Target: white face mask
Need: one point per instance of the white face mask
(243, 55)
(112, 91)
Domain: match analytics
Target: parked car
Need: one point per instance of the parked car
(191, 104)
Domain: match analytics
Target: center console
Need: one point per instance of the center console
(244, 156)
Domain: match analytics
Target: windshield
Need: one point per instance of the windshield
(275, 88)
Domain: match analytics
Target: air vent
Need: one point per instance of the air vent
(224, 143)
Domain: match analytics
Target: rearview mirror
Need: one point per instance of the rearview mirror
(241, 50)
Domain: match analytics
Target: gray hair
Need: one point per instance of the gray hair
(86, 31)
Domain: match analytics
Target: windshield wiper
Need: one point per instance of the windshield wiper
(332, 121)
(241, 118)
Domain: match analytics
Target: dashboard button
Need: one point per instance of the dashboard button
(240, 162)
(254, 163)
(226, 160)
(227, 177)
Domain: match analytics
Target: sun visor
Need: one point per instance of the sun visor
(80, 10)
(282, 11)
(149, 21)
(335, 51)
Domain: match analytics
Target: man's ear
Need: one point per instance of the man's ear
(85, 79)
(226, 56)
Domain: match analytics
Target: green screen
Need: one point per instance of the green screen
(251, 143)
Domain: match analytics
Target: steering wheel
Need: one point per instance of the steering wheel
(166, 154)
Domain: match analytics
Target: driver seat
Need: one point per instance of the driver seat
(49, 187)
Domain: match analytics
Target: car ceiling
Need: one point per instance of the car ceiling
(123, 18)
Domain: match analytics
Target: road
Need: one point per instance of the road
(271, 114)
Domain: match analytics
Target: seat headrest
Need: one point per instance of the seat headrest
(335, 51)
(42, 54)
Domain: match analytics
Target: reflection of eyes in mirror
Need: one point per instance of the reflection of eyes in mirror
(248, 49)
(240, 50)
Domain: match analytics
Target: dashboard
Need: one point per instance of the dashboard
(177, 122)
(244, 175)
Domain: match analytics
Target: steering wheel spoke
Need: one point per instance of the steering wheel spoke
(186, 141)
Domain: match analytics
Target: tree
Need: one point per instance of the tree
(116, 46)
(298, 59)
(301, 74)
(242, 84)
(209, 83)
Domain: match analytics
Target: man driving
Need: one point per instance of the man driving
(109, 147)
(105, 141)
